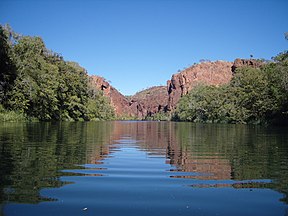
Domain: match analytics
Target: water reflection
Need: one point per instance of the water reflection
(35, 156)
(32, 156)
(250, 156)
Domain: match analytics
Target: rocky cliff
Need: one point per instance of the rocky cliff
(165, 98)
(254, 63)
(149, 101)
(117, 100)
(210, 73)
(142, 104)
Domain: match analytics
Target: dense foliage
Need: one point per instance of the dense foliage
(254, 95)
(37, 82)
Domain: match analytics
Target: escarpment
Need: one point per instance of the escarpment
(139, 106)
(117, 100)
(150, 101)
(165, 98)
(208, 73)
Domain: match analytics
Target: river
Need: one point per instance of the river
(142, 168)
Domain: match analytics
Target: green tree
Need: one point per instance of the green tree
(277, 75)
(98, 106)
(35, 87)
(41, 84)
(8, 71)
(253, 96)
(251, 88)
(72, 90)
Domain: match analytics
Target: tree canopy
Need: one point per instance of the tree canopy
(41, 84)
(254, 95)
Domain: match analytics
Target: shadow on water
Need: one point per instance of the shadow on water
(36, 156)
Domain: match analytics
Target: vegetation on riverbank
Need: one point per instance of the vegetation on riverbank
(253, 96)
(11, 116)
(38, 83)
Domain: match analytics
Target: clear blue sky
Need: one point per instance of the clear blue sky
(136, 44)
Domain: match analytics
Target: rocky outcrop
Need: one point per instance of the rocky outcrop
(118, 101)
(254, 63)
(160, 98)
(142, 104)
(150, 101)
(209, 73)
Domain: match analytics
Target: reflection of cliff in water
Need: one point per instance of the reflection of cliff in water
(221, 152)
(161, 138)
(236, 152)
(32, 155)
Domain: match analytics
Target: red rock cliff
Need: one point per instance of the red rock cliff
(149, 101)
(118, 101)
(210, 73)
(144, 103)
(160, 98)
(254, 63)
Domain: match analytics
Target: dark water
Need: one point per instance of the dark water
(142, 168)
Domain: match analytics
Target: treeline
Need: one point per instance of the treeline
(254, 95)
(37, 83)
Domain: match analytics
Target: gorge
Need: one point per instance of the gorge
(37, 84)
(153, 100)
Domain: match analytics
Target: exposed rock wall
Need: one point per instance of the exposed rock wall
(254, 63)
(150, 101)
(118, 101)
(210, 73)
(160, 98)
(140, 105)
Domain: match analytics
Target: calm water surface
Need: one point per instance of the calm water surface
(142, 168)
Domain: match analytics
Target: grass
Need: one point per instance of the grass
(11, 116)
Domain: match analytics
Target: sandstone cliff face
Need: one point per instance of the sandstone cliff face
(160, 98)
(140, 105)
(246, 62)
(118, 101)
(209, 73)
(150, 101)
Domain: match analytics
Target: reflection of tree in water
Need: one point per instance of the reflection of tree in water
(33, 154)
(237, 152)
(162, 138)
(251, 152)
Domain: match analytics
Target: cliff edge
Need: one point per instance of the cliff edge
(209, 73)
(156, 99)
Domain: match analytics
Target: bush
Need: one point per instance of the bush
(38, 83)
(253, 96)
(11, 116)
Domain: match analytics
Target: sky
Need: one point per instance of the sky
(136, 44)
